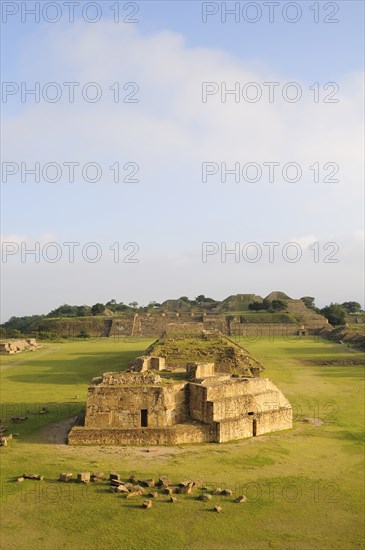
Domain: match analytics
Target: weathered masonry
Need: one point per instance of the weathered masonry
(148, 406)
(17, 346)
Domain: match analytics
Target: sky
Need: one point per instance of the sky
(174, 148)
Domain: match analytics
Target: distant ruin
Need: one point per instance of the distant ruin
(167, 399)
(17, 346)
(232, 317)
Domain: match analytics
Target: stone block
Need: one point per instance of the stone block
(114, 476)
(240, 499)
(66, 476)
(83, 477)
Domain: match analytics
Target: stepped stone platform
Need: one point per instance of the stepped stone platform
(157, 402)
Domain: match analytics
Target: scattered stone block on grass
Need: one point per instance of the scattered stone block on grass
(163, 481)
(83, 477)
(134, 494)
(204, 497)
(240, 499)
(121, 489)
(218, 509)
(197, 483)
(147, 503)
(147, 482)
(33, 476)
(186, 489)
(183, 483)
(116, 482)
(97, 476)
(65, 476)
(227, 492)
(173, 499)
(114, 476)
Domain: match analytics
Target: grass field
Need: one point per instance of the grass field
(304, 486)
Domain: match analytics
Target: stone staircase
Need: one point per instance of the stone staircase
(306, 316)
(108, 323)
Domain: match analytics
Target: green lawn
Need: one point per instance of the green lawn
(304, 486)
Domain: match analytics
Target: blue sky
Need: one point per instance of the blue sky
(170, 133)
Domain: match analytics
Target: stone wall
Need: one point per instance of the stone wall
(176, 435)
(200, 370)
(256, 331)
(234, 405)
(230, 430)
(148, 362)
(120, 406)
(186, 329)
(198, 405)
(254, 425)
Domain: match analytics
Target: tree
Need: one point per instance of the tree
(278, 305)
(121, 307)
(133, 304)
(83, 334)
(309, 301)
(154, 304)
(15, 333)
(82, 311)
(335, 314)
(112, 304)
(352, 307)
(202, 299)
(184, 299)
(64, 311)
(97, 309)
(255, 306)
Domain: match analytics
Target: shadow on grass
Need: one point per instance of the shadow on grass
(355, 372)
(332, 351)
(75, 371)
(357, 437)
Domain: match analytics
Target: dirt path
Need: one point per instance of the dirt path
(21, 361)
(57, 433)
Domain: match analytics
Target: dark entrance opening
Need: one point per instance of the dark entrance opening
(254, 428)
(144, 418)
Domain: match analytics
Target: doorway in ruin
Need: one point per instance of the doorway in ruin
(254, 428)
(254, 423)
(144, 418)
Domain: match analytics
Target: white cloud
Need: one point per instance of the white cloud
(305, 241)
